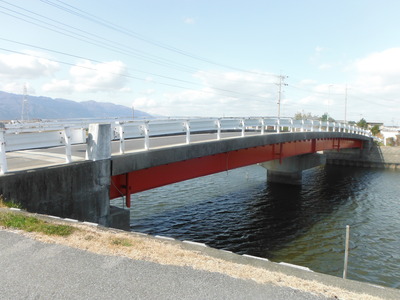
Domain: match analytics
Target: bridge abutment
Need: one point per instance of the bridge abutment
(289, 170)
(77, 190)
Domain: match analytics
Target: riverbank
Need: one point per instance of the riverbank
(165, 251)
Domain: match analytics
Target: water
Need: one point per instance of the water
(303, 225)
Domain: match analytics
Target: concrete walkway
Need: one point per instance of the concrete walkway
(33, 270)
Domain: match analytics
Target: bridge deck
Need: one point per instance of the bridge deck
(46, 157)
(141, 171)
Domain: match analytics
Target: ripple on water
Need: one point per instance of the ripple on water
(305, 225)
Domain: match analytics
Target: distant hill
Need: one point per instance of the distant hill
(49, 108)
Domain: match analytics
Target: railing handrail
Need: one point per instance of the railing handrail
(52, 133)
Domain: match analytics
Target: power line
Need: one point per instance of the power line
(138, 78)
(90, 17)
(136, 70)
(88, 37)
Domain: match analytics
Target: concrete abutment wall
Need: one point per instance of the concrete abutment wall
(78, 190)
(371, 156)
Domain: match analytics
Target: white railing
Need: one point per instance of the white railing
(44, 134)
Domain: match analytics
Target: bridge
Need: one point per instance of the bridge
(74, 168)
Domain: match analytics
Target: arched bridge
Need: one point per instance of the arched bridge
(169, 151)
(136, 172)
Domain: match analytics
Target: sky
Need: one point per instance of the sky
(208, 58)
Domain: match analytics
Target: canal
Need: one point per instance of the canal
(304, 225)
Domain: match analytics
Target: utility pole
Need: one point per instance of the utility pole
(345, 106)
(280, 84)
(25, 107)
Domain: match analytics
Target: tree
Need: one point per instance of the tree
(303, 116)
(362, 124)
(375, 130)
(325, 117)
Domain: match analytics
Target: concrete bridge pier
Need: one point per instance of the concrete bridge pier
(289, 170)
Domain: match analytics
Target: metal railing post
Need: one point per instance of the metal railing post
(218, 123)
(302, 126)
(292, 125)
(277, 123)
(243, 127)
(67, 141)
(121, 133)
(3, 158)
(186, 126)
(327, 125)
(262, 126)
(146, 133)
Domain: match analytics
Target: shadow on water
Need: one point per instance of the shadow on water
(258, 219)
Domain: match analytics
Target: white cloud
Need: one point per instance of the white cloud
(306, 82)
(222, 94)
(189, 20)
(28, 66)
(18, 88)
(92, 77)
(318, 49)
(325, 66)
(144, 103)
(385, 63)
(58, 86)
(379, 73)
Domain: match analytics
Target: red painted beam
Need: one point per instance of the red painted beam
(145, 179)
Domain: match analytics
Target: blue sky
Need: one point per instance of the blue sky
(208, 58)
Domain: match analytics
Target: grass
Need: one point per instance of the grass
(32, 224)
(9, 204)
(121, 242)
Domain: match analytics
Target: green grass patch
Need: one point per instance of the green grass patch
(121, 242)
(9, 204)
(32, 224)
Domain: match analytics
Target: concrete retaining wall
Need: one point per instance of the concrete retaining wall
(78, 190)
(372, 157)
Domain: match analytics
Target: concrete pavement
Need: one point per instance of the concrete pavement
(33, 270)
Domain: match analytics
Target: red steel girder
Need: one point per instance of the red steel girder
(145, 179)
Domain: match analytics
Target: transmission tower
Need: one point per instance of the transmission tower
(25, 106)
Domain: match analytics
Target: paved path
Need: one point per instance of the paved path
(33, 270)
(36, 158)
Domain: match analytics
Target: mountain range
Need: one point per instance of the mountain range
(50, 108)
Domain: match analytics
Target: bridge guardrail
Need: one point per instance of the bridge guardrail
(32, 135)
